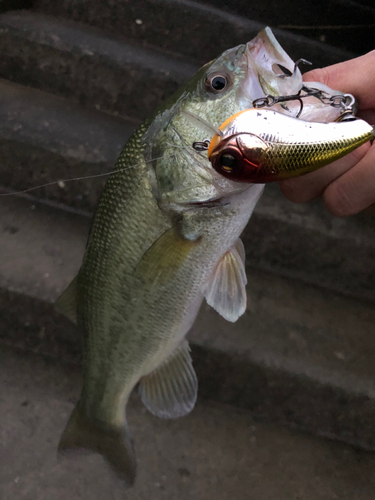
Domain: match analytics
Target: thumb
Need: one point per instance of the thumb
(356, 76)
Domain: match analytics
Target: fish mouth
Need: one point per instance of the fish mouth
(270, 71)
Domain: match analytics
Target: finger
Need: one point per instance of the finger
(310, 186)
(355, 190)
(368, 115)
(355, 76)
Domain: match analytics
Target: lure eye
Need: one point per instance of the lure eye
(216, 83)
(228, 162)
(239, 157)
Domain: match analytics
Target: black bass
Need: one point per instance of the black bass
(165, 236)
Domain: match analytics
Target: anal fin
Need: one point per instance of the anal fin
(171, 390)
(67, 302)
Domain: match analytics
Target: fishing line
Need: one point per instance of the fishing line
(198, 121)
(201, 123)
(186, 146)
(53, 183)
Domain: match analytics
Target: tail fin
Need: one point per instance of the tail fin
(115, 445)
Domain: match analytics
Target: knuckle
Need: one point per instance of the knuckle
(293, 191)
(338, 200)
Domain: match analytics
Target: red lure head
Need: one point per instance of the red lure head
(238, 157)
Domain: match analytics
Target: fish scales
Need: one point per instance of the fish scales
(124, 320)
(303, 155)
(115, 275)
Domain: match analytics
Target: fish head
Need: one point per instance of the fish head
(239, 76)
(226, 86)
(229, 84)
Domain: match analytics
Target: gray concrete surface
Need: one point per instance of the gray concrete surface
(77, 61)
(44, 138)
(216, 452)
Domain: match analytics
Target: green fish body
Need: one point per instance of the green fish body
(165, 236)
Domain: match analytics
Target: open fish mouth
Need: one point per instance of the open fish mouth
(272, 73)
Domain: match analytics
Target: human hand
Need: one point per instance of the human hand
(348, 184)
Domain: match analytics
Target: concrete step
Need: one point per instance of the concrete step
(44, 138)
(76, 61)
(217, 452)
(196, 30)
(300, 356)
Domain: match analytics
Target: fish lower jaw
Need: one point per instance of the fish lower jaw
(208, 204)
(179, 208)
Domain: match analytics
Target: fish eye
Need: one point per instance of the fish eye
(228, 162)
(216, 83)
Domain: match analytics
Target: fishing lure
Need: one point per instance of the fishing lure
(262, 145)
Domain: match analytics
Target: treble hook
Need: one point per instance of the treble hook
(287, 73)
(270, 100)
(344, 101)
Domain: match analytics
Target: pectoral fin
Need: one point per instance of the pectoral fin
(170, 391)
(164, 259)
(226, 291)
(67, 302)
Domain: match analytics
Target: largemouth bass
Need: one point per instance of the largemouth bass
(259, 146)
(165, 236)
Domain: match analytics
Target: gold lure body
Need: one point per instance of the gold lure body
(262, 145)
